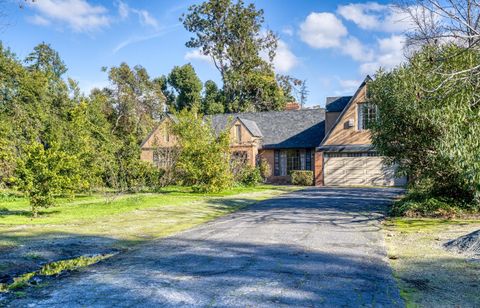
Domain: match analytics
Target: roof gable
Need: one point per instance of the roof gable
(251, 126)
(347, 106)
(167, 116)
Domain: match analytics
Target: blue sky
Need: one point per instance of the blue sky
(331, 44)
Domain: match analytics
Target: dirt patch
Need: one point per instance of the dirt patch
(468, 244)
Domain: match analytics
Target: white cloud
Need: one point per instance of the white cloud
(347, 86)
(123, 10)
(197, 55)
(284, 59)
(288, 30)
(390, 53)
(375, 16)
(77, 14)
(356, 50)
(38, 20)
(144, 16)
(142, 38)
(322, 30)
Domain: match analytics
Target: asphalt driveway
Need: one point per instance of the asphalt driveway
(316, 247)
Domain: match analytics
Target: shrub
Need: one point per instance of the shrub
(302, 177)
(249, 176)
(421, 204)
(204, 159)
(265, 170)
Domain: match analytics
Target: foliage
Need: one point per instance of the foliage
(97, 139)
(265, 169)
(302, 177)
(232, 35)
(421, 204)
(204, 157)
(294, 90)
(45, 59)
(429, 123)
(45, 172)
(7, 157)
(137, 101)
(249, 176)
(213, 101)
(188, 86)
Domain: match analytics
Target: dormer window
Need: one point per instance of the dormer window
(367, 115)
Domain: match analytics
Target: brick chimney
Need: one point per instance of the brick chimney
(292, 106)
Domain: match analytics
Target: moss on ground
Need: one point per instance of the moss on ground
(427, 274)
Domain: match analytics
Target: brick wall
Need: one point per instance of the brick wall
(318, 170)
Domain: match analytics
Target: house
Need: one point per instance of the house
(333, 142)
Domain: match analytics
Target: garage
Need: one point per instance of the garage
(358, 169)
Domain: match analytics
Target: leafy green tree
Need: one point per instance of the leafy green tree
(170, 97)
(45, 59)
(187, 84)
(43, 173)
(204, 158)
(429, 121)
(232, 34)
(137, 101)
(294, 90)
(213, 100)
(7, 155)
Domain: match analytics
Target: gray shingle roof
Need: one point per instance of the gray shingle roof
(252, 127)
(303, 128)
(336, 103)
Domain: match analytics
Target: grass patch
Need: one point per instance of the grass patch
(93, 224)
(51, 269)
(427, 274)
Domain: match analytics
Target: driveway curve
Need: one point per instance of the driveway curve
(311, 248)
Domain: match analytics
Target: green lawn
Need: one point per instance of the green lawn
(93, 224)
(427, 274)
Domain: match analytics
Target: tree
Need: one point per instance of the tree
(204, 159)
(44, 173)
(170, 98)
(432, 134)
(293, 89)
(7, 155)
(136, 99)
(232, 34)
(45, 59)
(188, 86)
(213, 101)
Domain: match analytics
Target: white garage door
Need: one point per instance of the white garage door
(349, 170)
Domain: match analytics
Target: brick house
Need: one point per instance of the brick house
(333, 142)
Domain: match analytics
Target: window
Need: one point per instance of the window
(166, 135)
(293, 160)
(367, 115)
(285, 161)
(308, 159)
(240, 157)
(165, 157)
(238, 133)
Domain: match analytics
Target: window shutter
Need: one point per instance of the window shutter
(276, 163)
